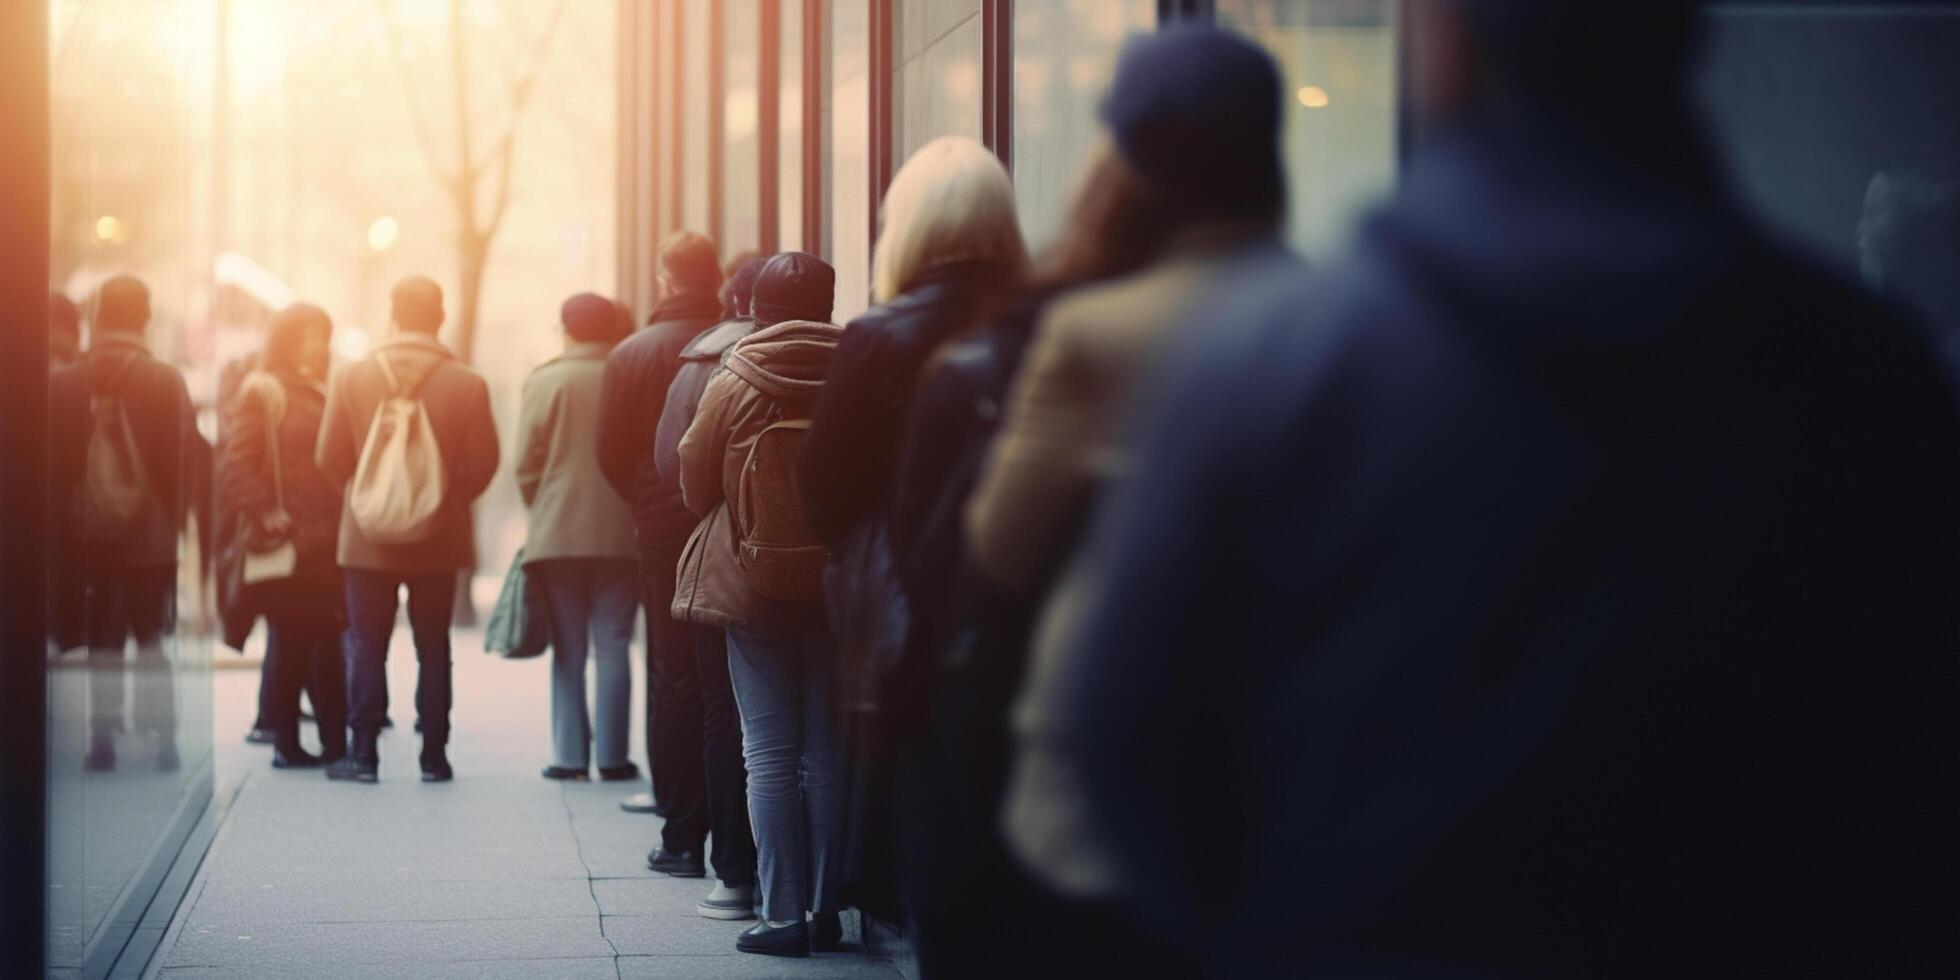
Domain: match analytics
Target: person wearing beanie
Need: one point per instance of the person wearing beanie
(633, 393)
(1186, 199)
(1560, 584)
(779, 660)
(579, 545)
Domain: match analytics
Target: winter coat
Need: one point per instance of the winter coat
(249, 495)
(1564, 581)
(458, 403)
(1061, 433)
(637, 375)
(176, 459)
(846, 466)
(574, 512)
(713, 589)
(698, 363)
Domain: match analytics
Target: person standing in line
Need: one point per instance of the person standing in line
(579, 544)
(283, 498)
(633, 390)
(1561, 584)
(413, 365)
(950, 255)
(733, 857)
(124, 451)
(780, 660)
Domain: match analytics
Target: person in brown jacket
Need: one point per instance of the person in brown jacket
(781, 660)
(458, 405)
(278, 409)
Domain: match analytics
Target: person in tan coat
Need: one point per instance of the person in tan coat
(458, 404)
(580, 544)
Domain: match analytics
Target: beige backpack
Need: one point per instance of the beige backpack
(399, 483)
(115, 487)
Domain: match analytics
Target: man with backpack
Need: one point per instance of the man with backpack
(124, 460)
(755, 568)
(409, 435)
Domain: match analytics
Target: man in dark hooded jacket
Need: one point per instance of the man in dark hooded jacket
(1563, 585)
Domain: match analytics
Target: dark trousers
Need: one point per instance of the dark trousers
(727, 775)
(372, 599)
(125, 604)
(674, 755)
(301, 654)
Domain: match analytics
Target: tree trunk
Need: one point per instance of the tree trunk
(473, 253)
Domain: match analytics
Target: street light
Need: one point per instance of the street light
(382, 233)
(1312, 96)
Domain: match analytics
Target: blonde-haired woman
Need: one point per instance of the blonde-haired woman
(950, 255)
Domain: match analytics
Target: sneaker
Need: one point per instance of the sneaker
(615, 774)
(789, 940)
(566, 773)
(728, 902)
(261, 736)
(677, 864)
(295, 758)
(638, 803)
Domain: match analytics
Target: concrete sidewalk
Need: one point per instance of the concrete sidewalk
(498, 874)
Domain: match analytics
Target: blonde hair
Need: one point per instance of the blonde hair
(951, 202)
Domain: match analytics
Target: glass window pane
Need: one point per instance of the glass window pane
(1337, 66)
(1064, 54)
(741, 181)
(936, 72)
(789, 157)
(849, 155)
(696, 102)
(1837, 121)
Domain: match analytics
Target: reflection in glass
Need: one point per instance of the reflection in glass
(1337, 61)
(850, 155)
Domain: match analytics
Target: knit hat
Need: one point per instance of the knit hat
(794, 286)
(590, 316)
(1197, 110)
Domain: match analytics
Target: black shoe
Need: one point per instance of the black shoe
(101, 755)
(614, 774)
(566, 773)
(435, 766)
(261, 736)
(387, 722)
(361, 764)
(677, 864)
(167, 760)
(826, 932)
(789, 940)
(295, 758)
(353, 769)
(330, 754)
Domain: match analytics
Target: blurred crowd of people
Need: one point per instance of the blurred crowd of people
(1561, 583)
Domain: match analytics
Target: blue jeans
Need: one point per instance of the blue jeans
(372, 599)
(593, 602)
(784, 687)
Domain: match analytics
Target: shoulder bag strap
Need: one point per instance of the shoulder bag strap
(272, 449)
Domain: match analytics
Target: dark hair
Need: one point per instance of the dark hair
(287, 333)
(689, 260)
(1117, 224)
(738, 290)
(589, 317)
(416, 304)
(123, 303)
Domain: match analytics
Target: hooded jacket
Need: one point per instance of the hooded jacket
(1562, 585)
(785, 364)
(458, 401)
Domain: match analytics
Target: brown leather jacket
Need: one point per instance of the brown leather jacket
(712, 589)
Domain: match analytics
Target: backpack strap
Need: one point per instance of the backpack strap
(395, 387)
(121, 371)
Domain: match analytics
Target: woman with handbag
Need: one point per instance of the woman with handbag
(288, 520)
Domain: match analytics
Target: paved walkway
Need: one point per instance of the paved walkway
(498, 874)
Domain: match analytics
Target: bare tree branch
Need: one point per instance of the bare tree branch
(424, 135)
(521, 89)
